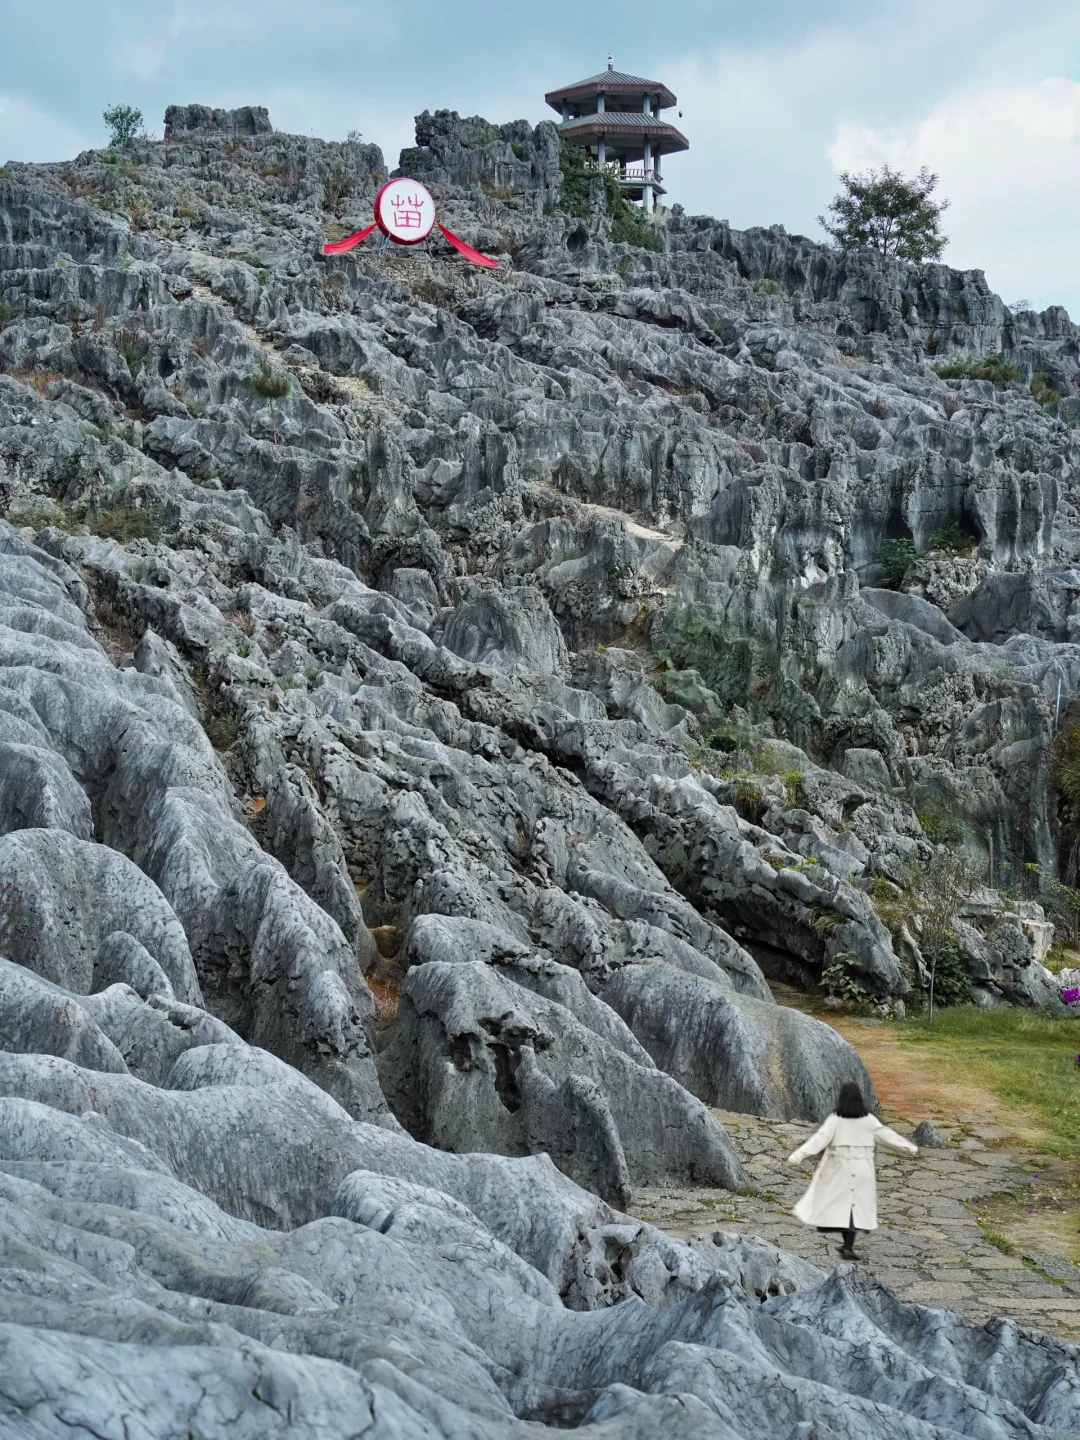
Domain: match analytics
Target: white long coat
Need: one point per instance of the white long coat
(844, 1183)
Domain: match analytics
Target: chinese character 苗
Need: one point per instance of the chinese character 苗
(407, 210)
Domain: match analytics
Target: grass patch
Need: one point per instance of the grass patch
(127, 523)
(222, 731)
(1023, 1057)
(966, 367)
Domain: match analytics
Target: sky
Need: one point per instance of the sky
(777, 97)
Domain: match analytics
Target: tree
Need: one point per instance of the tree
(268, 384)
(884, 211)
(125, 122)
(937, 891)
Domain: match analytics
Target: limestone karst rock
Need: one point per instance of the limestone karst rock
(465, 749)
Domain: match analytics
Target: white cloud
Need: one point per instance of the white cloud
(1008, 157)
(27, 133)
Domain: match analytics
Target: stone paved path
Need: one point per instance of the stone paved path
(929, 1248)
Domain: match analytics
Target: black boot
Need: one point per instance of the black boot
(847, 1249)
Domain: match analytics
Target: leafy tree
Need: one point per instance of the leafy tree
(885, 211)
(125, 122)
(269, 384)
(894, 557)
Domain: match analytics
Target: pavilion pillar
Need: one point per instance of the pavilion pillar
(647, 189)
(601, 152)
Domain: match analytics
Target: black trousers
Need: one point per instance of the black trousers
(848, 1233)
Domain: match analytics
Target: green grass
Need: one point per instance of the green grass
(1025, 1058)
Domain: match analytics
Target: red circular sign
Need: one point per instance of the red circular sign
(405, 211)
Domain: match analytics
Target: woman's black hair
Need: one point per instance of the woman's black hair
(850, 1104)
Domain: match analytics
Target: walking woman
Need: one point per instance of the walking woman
(843, 1193)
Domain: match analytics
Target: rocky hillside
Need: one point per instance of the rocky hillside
(409, 784)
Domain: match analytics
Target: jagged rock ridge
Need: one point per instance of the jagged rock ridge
(354, 694)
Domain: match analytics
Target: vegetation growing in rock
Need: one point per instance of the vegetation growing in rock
(271, 385)
(134, 345)
(967, 367)
(627, 225)
(1042, 392)
(895, 558)
(951, 540)
(884, 211)
(125, 124)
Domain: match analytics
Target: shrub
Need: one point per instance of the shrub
(134, 346)
(952, 984)
(7, 313)
(518, 148)
(126, 523)
(574, 191)
(125, 122)
(1042, 392)
(886, 212)
(628, 224)
(894, 557)
(966, 367)
(838, 979)
(796, 792)
(337, 183)
(269, 384)
(766, 287)
(222, 730)
(951, 539)
(750, 804)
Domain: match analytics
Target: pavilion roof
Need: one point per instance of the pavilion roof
(627, 123)
(611, 82)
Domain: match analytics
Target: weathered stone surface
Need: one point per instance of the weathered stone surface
(476, 1062)
(539, 630)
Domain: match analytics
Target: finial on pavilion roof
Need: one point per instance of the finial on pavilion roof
(611, 62)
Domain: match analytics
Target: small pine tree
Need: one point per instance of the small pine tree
(884, 211)
(125, 122)
(270, 385)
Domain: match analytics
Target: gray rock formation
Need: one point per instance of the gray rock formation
(451, 754)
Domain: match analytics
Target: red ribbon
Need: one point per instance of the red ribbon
(468, 251)
(338, 247)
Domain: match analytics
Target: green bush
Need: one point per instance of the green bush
(1042, 392)
(134, 346)
(518, 148)
(222, 730)
(7, 313)
(951, 539)
(796, 792)
(628, 225)
(126, 523)
(952, 984)
(940, 826)
(125, 122)
(966, 367)
(270, 384)
(838, 979)
(894, 557)
(766, 287)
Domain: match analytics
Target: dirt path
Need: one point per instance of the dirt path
(987, 1226)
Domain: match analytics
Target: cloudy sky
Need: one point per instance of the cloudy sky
(777, 96)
